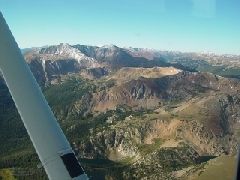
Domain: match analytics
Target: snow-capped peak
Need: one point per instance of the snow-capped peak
(63, 51)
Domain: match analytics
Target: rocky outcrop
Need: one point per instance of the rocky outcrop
(150, 92)
(111, 144)
(216, 133)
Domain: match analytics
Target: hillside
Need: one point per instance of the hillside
(133, 118)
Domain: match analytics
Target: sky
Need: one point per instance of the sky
(179, 25)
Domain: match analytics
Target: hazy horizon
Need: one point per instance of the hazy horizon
(128, 47)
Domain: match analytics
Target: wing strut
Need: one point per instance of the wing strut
(50, 143)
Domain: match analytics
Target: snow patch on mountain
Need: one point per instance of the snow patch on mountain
(65, 51)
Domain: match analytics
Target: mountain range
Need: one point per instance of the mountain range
(131, 113)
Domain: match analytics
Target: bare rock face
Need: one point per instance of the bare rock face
(50, 63)
(112, 144)
(150, 92)
(65, 51)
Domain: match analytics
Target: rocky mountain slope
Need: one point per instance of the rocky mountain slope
(128, 114)
(51, 63)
